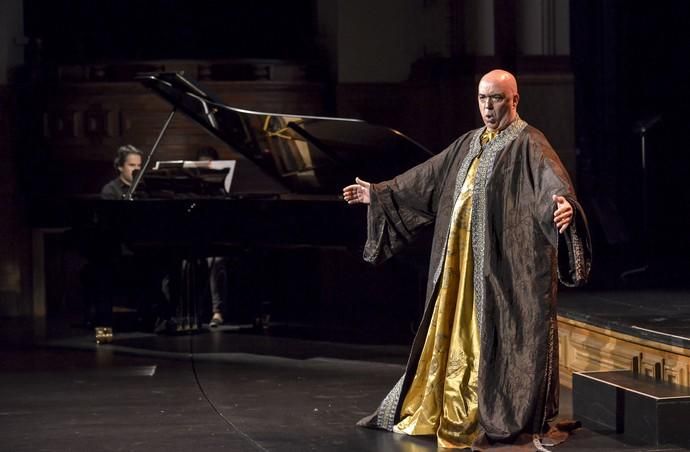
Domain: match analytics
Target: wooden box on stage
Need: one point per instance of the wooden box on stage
(644, 410)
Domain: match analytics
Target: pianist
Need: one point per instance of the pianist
(127, 161)
(113, 270)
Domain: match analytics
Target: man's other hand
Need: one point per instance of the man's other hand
(563, 214)
(357, 193)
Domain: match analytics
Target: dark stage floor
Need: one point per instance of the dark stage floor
(222, 390)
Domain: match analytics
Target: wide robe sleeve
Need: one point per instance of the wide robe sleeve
(573, 245)
(403, 206)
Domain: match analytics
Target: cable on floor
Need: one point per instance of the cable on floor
(213, 406)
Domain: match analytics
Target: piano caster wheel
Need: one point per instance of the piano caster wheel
(104, 335)
(263, 322)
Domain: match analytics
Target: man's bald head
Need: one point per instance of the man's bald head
(503, 78)
(498, 98)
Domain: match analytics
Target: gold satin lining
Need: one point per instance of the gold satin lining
(442, 398)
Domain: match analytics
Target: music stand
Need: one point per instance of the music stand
(171, 178)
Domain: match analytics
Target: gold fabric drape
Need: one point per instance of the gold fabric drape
(442, 399)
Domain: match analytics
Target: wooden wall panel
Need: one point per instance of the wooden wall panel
(7, 179)
(435, 113)
(547, 101)
(14, 262)
(84, 123)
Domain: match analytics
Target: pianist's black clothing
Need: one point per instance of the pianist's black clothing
(115, 189)
(114, 271)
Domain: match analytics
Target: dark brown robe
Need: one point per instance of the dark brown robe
(518, 256)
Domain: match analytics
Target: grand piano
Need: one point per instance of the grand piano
(286, 192)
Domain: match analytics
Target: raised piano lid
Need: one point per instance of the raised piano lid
(304, 154)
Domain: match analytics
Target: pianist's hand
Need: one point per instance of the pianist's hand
(357, 193)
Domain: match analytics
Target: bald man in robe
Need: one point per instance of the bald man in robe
(483, 368)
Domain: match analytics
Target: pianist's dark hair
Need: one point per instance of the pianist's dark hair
(123, 152)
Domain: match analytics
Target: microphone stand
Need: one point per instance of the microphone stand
(642, 128)
(144, 167)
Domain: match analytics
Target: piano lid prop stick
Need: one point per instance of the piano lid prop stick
(137, 179)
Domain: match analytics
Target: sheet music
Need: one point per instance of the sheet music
(227, 183)
(213, 165)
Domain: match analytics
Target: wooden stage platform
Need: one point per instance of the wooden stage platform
(607, 330)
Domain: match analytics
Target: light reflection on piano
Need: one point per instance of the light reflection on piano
(305, 154)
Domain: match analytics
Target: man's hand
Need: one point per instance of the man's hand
(563, 214)
(357, 193)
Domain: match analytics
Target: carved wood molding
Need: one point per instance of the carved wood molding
(585, 347)
(248, 69)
